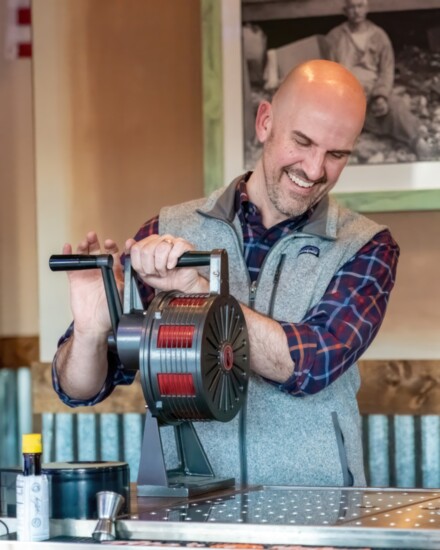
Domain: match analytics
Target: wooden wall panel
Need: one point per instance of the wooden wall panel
(136, 101)
(118, 125)
(18, 351)
(18, 254)
(400, 387)
(388, 388)
(124, 399)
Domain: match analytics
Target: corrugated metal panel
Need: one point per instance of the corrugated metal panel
(87, 433)
(400, 450)
(378, 460)
(24, 401)
(430, 443)
(15, 413)
(406, 451)
(110, 437)
(133, 425)
(74, 437)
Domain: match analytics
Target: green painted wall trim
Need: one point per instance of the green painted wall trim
(212, 95)
(391, 201)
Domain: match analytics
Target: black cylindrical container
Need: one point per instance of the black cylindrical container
(73, 487)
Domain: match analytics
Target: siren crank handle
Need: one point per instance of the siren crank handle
(74, 262)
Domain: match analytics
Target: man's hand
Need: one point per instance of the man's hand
(87, 296)
(379, 106)
(81, 362)
(154, 259)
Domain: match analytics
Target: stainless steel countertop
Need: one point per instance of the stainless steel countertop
(341, 517)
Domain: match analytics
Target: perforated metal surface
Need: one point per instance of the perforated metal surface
(345, 518)
(330, 507)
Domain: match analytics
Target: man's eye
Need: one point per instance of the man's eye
(302, 142)
(337, 155)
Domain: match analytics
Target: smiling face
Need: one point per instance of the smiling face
(307, 133)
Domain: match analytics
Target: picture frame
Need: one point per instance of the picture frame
(365, 188)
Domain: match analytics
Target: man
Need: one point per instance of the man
(313, 279)
(365, 49)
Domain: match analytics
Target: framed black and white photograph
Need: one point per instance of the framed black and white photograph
(396, 58)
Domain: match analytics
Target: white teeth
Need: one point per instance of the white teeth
(300, 182)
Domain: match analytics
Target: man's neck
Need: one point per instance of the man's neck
(358, 27)
(256, 190)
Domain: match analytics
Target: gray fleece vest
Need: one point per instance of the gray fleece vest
(312, 440)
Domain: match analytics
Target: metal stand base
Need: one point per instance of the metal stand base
(194, 475)
(183, 486)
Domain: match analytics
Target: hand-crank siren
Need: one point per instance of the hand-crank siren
(192, 351)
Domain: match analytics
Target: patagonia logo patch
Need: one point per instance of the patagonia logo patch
(314, 250)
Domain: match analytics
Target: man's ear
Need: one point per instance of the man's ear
(263, 121)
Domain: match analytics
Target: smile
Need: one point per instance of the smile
(299, 181)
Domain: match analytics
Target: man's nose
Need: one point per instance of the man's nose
(313, 165)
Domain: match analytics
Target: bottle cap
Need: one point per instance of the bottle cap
(31, 443)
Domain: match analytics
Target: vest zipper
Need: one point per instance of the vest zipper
(276, 280)
(242, 419)
(252, 293)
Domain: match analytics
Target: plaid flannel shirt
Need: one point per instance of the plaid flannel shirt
(333, 334)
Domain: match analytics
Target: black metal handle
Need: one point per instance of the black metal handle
(194, 258)
(216, 259)
(73, 262)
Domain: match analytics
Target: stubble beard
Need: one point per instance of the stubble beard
(286, 202)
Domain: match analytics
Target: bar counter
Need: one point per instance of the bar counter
(260, 517)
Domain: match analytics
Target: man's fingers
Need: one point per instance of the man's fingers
(162, 255)
(94, 246)
(110, 246)
(128, 245)
(91, 245)
(142, 255)
(156, 255)
(83, 247)
(179, 246)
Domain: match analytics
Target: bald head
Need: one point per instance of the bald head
(327, 84)
(322, 78)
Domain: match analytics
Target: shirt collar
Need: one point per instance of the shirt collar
(222, 204)
(251, 213)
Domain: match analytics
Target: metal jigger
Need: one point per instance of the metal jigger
(109, 504)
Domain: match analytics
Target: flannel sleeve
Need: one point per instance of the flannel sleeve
(338, 329)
